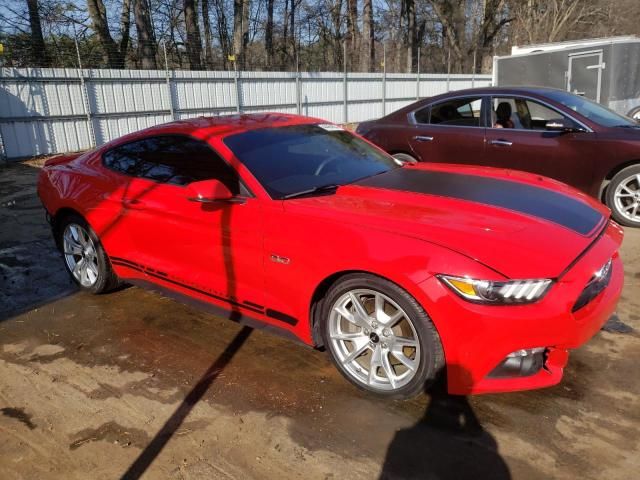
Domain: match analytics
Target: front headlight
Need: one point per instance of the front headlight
(497, 292)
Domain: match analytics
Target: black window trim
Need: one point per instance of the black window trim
(249, 193)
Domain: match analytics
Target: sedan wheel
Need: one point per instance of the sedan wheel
(80, 255)
(634, 114)
(623, 196)
(404, 158)
(379, 337)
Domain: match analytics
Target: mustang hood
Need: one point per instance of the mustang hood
(520, 225)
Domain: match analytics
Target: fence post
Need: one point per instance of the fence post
(473, 73)
(168, 80)
(236, 82)
(384, 79)
(3, 152)
(298, 87)
(448, 69)
(418, 77)
(345, 113)
(85, 96)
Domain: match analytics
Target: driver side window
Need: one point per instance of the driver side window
(172, 159)
(523, 114)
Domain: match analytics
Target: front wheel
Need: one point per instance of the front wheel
(634, 114)
(404, 158)
(623, 196)
(379, 337)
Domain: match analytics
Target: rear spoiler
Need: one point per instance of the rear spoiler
(62, 159)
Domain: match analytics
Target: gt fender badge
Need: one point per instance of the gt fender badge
(279, 259)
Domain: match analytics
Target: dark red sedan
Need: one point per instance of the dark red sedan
(539, 130)
(402, 272)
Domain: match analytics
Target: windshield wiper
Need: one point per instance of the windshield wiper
(330, 188)
(627, 126)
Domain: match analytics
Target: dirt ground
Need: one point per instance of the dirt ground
(133, 384)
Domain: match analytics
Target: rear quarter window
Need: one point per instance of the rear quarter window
(171, 159)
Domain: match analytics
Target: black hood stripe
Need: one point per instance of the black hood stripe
(528, 199)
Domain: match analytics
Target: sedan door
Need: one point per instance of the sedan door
(214, 249)
(449, 131)
(519, 139)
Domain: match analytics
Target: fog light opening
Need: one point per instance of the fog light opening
(521, 363)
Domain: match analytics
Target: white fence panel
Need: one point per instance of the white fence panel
(46, 111)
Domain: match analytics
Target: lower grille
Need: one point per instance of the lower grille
(596, 285)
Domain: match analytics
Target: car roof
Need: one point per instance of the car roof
(508, 89)
(504, 90)
(223, 125)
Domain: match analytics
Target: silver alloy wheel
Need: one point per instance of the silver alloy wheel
(404, 158)
(80, 255)
(374, 339)
(627, 198)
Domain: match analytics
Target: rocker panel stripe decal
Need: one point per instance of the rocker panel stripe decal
(528, 199)
(246, 304)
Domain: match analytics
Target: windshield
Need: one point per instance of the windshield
(305, 158)
(593, 111)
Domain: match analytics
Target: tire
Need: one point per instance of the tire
(80, 246)
(623, 196)
(404, 158)
(411, 341)
(634, 114)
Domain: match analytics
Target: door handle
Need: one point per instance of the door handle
(423, 138)
(501, 143)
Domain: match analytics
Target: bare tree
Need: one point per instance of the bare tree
(240, 30)
(550, 20)
(37, 40)
(352, 32)
(114, 53)
(194, 44)
(464, 42)
(268, 34)
(223, 30)
(208, 36)
(368, 45)
(146, 38)
(409, 10)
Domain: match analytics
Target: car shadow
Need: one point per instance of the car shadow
(448, 442)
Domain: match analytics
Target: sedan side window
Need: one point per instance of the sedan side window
(172, 159)
(523, 114)
(461, 112)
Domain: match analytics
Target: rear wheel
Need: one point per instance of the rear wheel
(634, 114)
(379, 337)
(623, 196)
(404, 158)
(84, 257)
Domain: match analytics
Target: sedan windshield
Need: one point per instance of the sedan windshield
(593, 111)
(307, 159)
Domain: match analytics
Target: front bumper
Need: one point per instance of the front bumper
(477, 338)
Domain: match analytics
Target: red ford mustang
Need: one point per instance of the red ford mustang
(401, 272)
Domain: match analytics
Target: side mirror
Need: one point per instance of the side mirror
(211, 191)
(559, 125)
